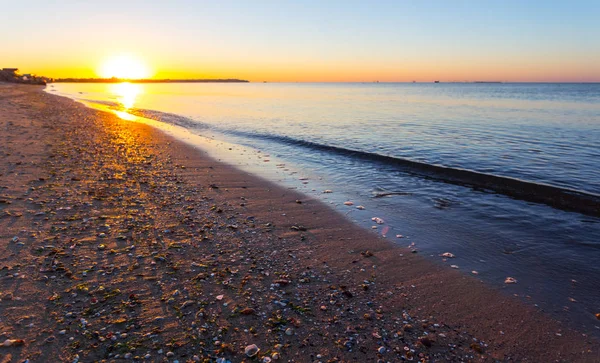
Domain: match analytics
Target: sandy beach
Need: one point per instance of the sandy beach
(121, 243)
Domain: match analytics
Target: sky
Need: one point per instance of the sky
(308, 41)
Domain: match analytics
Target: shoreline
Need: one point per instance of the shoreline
(201, 230)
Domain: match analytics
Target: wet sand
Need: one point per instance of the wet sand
(120, 243)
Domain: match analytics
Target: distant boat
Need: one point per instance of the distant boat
(436, 81)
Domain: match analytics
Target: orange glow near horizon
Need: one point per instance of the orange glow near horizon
(124, 67)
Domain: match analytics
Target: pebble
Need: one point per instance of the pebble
(275, 356)
(289, 331)
(510, 280)
(381, 350)
(170, 354)
(13, 342)
(251, 350)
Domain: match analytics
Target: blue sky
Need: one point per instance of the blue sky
(312, 40)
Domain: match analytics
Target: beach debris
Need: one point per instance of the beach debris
(454, 266)
(447, 255)
(251, 350)
(220, 297)
(360, 207)
(328, 191)
(510, 280)
(598, 316)
(298, 228)
(367, 253)
(378, 220)
(298, 201)
(247, 311)
(399, 236)
(348, 203)
(13, 343)
(475, 272)
(426, 341)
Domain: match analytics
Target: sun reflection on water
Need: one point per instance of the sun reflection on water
(126, 93)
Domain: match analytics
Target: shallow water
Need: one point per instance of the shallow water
(538, 133)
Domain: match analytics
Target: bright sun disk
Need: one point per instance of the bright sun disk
(124, 67)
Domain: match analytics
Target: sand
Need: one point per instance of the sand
(120, 243)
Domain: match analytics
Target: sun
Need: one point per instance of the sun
(124, 67)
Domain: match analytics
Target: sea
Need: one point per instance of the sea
(504, 176)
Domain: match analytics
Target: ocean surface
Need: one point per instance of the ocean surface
(504, 176)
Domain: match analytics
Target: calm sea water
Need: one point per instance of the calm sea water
(347, 137)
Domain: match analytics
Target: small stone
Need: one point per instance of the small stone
(62, 332)
(170, 354)
(275, 356)
(289, 331)
(381, 350)
(448, 255)
(510, 280)
(13, 342)
(247, 311)
(128, 356)
(251, 350)
(196, 358)
(266, 360)
(220, 297)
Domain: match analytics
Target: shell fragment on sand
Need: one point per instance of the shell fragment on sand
(251, 350)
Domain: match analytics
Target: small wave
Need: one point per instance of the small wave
(557, 197)
(169, 118)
